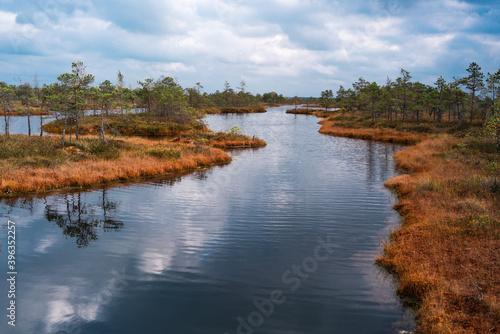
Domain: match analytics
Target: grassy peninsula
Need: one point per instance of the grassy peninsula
(41, 164)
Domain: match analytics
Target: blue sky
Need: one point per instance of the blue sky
(289, 46)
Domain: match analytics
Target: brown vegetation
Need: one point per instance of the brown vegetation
(332, 127)
(35, 164)
(446, 254)
(302, 111)
(226, 140)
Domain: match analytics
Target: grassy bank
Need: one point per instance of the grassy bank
(302, 111)
(362, 127)
(127, 125)
(445, 254)
(34, 164)
(226, 140)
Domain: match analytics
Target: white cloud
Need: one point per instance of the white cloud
(231, 39)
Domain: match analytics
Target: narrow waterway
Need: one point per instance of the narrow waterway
(282, 240)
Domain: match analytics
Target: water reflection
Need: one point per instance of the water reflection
(82, 219)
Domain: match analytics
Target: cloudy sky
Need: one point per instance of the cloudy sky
(289, 46)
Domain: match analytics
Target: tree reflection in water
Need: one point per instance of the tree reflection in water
(82, 219)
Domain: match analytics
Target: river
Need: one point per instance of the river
(282, 240)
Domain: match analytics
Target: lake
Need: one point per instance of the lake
(282, 240)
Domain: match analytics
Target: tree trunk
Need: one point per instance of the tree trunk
(64, 129)
(102, 128)
(41, 120)
(6, 122)
(29, 120)
(77, 137)
(472, 107)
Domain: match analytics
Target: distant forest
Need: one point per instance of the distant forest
(472, 97)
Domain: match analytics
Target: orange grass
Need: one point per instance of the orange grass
(76, 167)
(447, 252)
(332, 127)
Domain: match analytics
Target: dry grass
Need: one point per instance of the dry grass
(34, 164)
(446, 254)
(334, 128)
(302, 111)
(221, 139)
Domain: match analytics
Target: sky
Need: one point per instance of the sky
(293, 47)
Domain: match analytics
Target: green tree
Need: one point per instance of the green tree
(474, 83)
(26, 95)
(403, 84)
(145, 93)
(78, 82)
(492, 124)
(106, 95)
(326, 98)
(441, 90)
(372, 92)
(458, 98)
(493, 85)
(7, 96)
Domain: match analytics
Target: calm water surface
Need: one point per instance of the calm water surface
(19, 124)
(282, 240)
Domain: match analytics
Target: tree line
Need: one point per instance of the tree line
(471, 97)
(75, 92)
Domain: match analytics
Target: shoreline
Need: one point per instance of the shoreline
(87, 163)
(113, 183)
(329, 127)
(443, 253)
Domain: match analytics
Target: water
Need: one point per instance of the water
(217, 251)
(19, 124)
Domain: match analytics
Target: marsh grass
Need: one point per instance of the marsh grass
(223, 139)
(362, 127)
(446, 252)
(34, 164)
